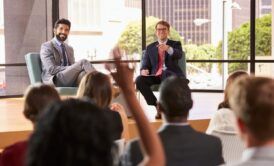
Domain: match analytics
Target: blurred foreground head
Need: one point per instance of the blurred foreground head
(252, 99)
(71, 132)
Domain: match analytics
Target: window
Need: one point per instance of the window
(100, 26)
(208, 66)
(85, 14)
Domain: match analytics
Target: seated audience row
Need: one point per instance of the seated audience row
(82, 131)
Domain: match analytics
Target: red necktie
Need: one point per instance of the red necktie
(161, 58)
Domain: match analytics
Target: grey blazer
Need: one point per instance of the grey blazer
(183, 146)
(51, 59)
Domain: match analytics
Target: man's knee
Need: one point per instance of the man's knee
(84, 61)
(140, 81)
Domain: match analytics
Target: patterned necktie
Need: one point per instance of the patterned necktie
(161, 58)
(65, 63)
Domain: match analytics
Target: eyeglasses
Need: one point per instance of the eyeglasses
(161, 29)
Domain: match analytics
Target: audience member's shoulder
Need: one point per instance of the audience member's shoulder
(210, 139)
(16, 146)
(112, 115)
(14, 152)
(110, 112)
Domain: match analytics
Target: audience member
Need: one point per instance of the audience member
(97, 87)
(223, 125)
(58, 63)
(36, 99)
(72, 132)
(160, 61)
(182, 144)
(252, 100)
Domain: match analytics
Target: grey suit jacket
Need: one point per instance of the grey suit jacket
(258, 156)
(51, 59)
(183, 146)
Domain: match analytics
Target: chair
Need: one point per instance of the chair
(233, 147)
(181, 63)
(34, 67)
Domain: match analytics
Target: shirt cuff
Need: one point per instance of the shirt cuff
(170, 51)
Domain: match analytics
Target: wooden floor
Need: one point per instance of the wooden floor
(14, 127)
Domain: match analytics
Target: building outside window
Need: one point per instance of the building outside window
(98, 25)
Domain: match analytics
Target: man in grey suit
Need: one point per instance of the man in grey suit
(252, 100)
(182, 144)
(58, 63)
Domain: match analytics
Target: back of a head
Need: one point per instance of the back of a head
(231, 78)
(175, 97)
(96, 86)
(37, 98)
(252, 99)
(72, 132)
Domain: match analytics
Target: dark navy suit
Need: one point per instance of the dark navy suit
(150, 62)
(183, 146)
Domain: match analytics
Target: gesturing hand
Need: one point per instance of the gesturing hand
(163, 47)
(123, 75)
(144, 72)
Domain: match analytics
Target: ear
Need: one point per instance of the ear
(54, 31)
(241, 126)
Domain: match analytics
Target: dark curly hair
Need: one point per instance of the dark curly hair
(71, 132)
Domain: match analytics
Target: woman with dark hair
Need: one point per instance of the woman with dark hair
(36, 99)
(72, 132)
(97, 87)
(223, 124)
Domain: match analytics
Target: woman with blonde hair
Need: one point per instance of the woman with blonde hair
(223, 124)
(97, 87)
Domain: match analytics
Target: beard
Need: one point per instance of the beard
(61, 37)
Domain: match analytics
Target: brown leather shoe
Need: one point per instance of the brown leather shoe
(158, 115)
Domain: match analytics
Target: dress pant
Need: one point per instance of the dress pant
(71, 76)
(143, 84)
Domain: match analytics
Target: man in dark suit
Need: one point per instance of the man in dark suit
(160, 61)
(182, 144)
(58, 64)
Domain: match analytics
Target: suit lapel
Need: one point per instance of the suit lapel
(57, 54)
(155, 49)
